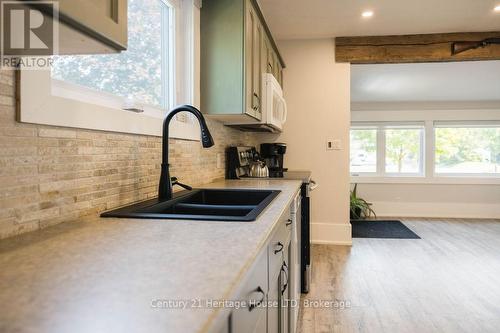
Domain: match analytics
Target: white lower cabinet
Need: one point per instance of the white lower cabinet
(273, 322)
(267, 287)
(253, 317)
(284, 294)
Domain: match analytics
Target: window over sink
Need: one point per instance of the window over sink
(141, 75)
(98, 91)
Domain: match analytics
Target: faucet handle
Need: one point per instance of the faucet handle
(176, 182)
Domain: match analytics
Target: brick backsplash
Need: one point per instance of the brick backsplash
(50, 175)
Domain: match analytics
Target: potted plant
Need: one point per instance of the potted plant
(360, 208)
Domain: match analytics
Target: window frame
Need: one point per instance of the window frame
(429, 176)
(169, 79)
(381, 149)
(421, 166)
(367, 127)
(70, 105)
(461, 124)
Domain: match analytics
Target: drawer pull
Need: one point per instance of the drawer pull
(280, 245)
(254, 305)
(289, 222)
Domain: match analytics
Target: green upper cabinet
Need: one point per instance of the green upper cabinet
(253, 72)
(236, 49)
(89, 26)
(103, 20)
(273, 64)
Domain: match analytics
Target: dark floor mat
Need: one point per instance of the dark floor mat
(381, 229)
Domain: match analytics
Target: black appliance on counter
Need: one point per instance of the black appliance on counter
(273, 156)
(238, 160)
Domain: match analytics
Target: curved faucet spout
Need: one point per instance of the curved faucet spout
(165, 186)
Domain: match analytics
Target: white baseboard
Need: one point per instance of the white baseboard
(437, 210)
(331, 234)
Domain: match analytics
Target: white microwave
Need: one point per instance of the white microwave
(273, 108)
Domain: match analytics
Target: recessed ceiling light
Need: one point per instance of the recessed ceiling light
(367, 13)
(497, 8)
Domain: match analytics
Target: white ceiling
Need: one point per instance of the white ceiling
(293, 19)
(427, 82)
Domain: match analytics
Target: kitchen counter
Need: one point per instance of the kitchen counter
(304, 175)
(121, 275)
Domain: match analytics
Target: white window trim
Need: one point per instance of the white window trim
(429, 176)
(363, 126)
(461, 124)
(381, 173)
(41, 101)
(469, 180)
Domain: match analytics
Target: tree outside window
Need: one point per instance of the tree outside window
(140, 73)
(363, 152)
(467, 150)
(403, 150)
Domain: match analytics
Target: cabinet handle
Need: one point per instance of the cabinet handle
(289, 222)
(256, 107)
(253, 306)
(280, 248)
(270, 67)
(284, 268)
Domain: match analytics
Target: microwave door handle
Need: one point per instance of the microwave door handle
(285, 110)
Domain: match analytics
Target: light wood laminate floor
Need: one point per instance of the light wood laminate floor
(448, 281)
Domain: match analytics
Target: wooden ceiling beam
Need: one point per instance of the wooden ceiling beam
(413, 48)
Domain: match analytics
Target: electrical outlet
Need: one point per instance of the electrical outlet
(220, 162)
(333, 144)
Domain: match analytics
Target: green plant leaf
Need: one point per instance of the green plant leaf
(359, 207)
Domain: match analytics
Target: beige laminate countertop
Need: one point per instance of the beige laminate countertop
(106, 275)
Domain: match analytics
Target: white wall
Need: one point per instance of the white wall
(433, 197)
(317, 94)
(433, 200)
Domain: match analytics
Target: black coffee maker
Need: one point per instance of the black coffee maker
(273, 153)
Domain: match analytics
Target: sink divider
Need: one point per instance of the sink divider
(211, 206)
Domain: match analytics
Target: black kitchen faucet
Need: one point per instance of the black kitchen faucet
(165, 187)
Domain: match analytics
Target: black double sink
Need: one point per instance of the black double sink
(202, 204)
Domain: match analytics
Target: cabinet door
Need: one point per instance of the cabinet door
(273, 316)
(254, 291)
(279, 297)
(284, 294)
(274, 60)
(257, 69)
(268, 57)
(253, 42)
(280, 74)
(226, 326)
(273, 65)
(105, 20)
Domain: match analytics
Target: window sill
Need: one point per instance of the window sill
(43, 103)
(479, 180)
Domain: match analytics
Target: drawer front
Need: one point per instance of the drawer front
(277, 245)
(255, 288)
